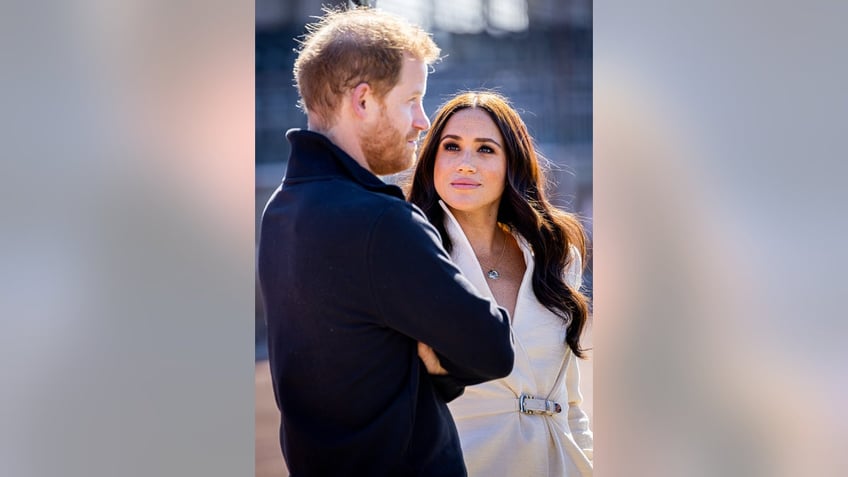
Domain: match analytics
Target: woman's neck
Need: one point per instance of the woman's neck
(482, 231)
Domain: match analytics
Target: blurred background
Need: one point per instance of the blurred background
(128, 212)
(538, 53)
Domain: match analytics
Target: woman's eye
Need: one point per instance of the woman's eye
(451, 147)
(486, 149)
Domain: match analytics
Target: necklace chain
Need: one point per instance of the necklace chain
(493, 273)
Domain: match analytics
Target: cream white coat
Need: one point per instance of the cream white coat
(497, 439)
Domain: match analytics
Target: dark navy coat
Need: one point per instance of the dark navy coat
(352, 277)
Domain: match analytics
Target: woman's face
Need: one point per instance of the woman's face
(470, 168)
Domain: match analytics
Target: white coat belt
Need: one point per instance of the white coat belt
(489, 406)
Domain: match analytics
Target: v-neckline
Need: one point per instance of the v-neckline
(454, 230)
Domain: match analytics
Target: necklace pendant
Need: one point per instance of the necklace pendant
(493, 274)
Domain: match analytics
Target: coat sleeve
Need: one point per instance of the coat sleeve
(422, 294)
(578, 420)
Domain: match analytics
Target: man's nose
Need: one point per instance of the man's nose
(420, 120)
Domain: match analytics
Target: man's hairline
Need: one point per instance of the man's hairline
(407, 54)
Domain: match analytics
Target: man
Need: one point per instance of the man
(353, 277)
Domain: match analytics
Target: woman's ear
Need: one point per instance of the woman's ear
(361, 100)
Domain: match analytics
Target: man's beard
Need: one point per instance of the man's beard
(386, 149)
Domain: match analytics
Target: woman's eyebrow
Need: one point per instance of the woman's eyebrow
(479, 139)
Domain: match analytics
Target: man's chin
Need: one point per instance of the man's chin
(386, 168)
(410, 160)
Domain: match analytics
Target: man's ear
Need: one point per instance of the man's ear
(362, 100)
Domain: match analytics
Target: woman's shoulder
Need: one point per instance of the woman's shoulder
(574, 269)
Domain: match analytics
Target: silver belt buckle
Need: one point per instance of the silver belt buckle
(530, 405)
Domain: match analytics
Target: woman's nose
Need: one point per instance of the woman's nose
(466, 166)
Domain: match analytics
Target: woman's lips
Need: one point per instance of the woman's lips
(465, 184)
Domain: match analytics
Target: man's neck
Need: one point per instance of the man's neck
(346, 140)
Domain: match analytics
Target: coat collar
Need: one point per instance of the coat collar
(314, 155)
(463, 254)
(462, 248)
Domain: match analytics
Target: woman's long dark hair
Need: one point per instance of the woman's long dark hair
(523, 207)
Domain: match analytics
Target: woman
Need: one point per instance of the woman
(479, 181)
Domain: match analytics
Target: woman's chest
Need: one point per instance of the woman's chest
(540, 347)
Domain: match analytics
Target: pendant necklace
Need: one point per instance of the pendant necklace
(493, 273)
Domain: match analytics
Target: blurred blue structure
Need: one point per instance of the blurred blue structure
(536, 52)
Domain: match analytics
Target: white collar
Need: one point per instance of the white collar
(463, 253)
